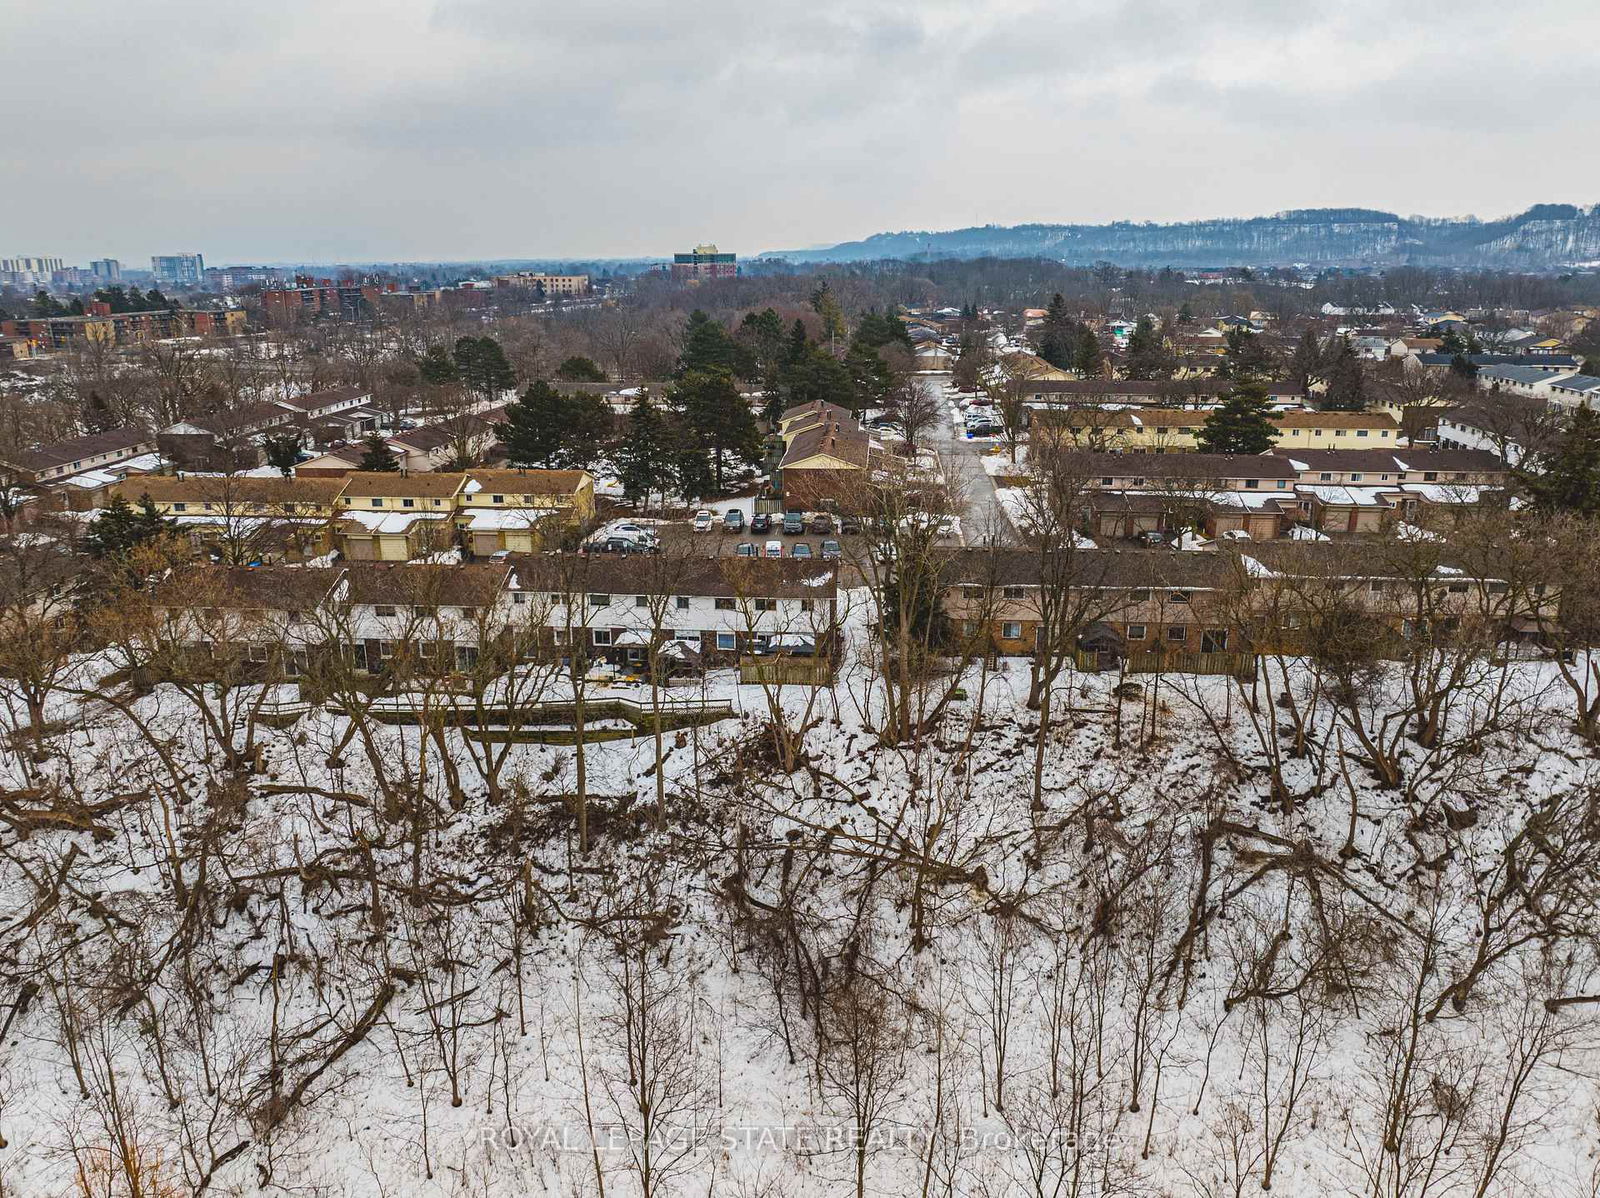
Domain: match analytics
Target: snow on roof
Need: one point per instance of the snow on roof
(1345, 496)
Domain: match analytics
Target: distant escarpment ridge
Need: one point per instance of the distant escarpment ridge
(1545, 237)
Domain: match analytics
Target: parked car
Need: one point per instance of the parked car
(637, 532)
(628, 545)
(830, 550)
(733, 520)
(703, 520)
(794, 523)
(746, 549)
(760, 522)
(774, 549)
(1151, 537)
(821, 524)
(850, 526)
(800, 549)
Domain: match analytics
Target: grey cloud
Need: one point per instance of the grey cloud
(355, 129)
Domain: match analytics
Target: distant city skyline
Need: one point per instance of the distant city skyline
(459, 130)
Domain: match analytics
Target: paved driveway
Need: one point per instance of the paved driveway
(982, 517)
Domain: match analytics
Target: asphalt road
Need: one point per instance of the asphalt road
(982, 517)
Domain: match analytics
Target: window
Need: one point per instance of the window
(1361, 432)
(727, 640)
(972, 592)
(1010, 631)
(497, 499)
(1458, 588)
(1252, 483)
(519, 597)
(686, 634)
(180, 507)
(1180, 596)
(377, 503)
(1137, 632)
(1325, 477)
(1214, 640)
(408, 503)
(766, 605)
(1430, 476)
(1383, 478)
(641, 600)
(384, 609)
(1106, 482)
(808, 605)
(1177, 634)
(681, 603)
(599, 600)
(1497, 588)
(1139, 596)
(602, 636)
(1375, 586)
(1356, 477)
(1015, 592)
(1316, 432)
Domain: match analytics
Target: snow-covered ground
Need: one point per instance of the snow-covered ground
(1183, 942)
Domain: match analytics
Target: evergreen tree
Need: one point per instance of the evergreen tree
(827, 307)
(1347, 388)
(1463, 367)
(283, 452)
(483, 367)
(121, 528)
(707, 346)
(45, 305)
(97, 414)
(534, 426)
(1245, 359)
(817, 375)
(765, 339)
(437, 368)
(646, 457)
(376, 456)
(578, 369)
(154, 301)
(713, 409)
(1087, 358)
(1147, 356)
(1305, 364)
(1058, 335)
(1570, 481)
(1240, 423)
(588, 430)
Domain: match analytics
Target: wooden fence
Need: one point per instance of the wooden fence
(786, 671)
(1239, 665)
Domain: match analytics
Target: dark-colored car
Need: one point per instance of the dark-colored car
(800, 549)
(794, 523)
(760, 523)
(747, 549)
(850, 526)
(821, 524)
(830, 550)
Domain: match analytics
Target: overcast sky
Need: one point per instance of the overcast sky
(357, 130)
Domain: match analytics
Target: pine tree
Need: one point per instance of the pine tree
(1087, 358)
(483, 366)
(1463, 367)
(707, 346)
(1245, 359)
(1147, 356)
(437, 368)
(1346, 382)
(283, 452)
(578, 369)
(534, 426)
(121, 528)
(377, 457)
(1240, 424)
(646, 456)
(1570, 481)
(712, 407)
(1305, 364)
(1058, 335)
(827, 307)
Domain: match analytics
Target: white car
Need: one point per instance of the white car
(703, 520)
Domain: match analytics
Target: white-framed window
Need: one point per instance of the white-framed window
(1010, 631)
(725, 605)
(727, 640)
(1252, 483)
(808, 604)
(1137, 632)
(641, 600)
(682, 602)
(601, 636)
(1177, 634)
(1180, 596)
(599, 600)
(1015, 593)
(384, 609)
(766, 605)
